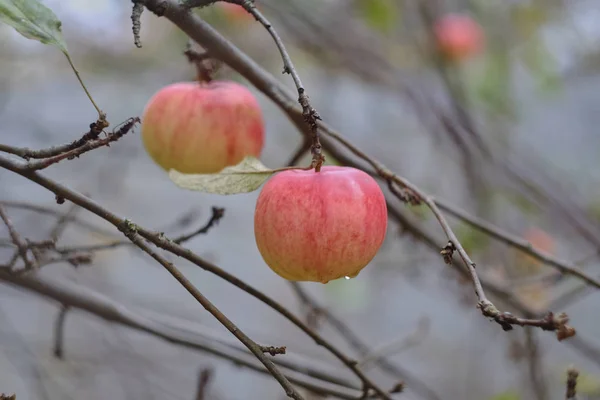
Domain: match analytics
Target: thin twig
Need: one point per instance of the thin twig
(60, 225)
(16, 239)
(514, 241)
(59, 331)
(224, 50)
(163, 242)
(26, 153)
(311, 116)
(203, 380)
(87, 146)
(395, 371)
(217, 215)
(130, 231)
(308, 375)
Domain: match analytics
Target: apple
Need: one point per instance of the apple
(201, 128)
(320, 226)
(458, 36)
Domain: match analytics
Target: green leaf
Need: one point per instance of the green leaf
(245, 177)
(33, 20)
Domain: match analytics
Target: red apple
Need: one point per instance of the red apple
(201, 128)
(320, 226)
(458, 36)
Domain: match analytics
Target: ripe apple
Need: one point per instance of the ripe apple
(201, 128)
(458, 36)
(320, 226)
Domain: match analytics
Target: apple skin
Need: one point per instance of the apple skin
(201, 128)
(458, 36)
(320, 226)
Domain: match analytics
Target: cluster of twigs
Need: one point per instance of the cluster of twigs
(274, 359)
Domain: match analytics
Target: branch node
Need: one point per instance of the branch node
(447, 252)
(273, 350)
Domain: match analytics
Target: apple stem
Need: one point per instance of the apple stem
(205, 66)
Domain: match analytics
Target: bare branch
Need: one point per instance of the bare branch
(308, 375)
(23, 152)
(203, 380)
(59, 331)
(87, 146)
(217, 214)
(220, 48)
(395, 371)
(130, 231)
(163, 242)
(514, 241)
(16, 239)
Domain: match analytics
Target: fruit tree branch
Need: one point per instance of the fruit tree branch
(308, 111)
(163, 242)
(22, 246)
(83, 298)
(130, 231)
(89, 142)
(224, 50)
(26, 153)
(217, 214)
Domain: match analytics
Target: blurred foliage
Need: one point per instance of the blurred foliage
(508, 395)
(492, 85)
(382, 15)
(473, 240)
(541, 65)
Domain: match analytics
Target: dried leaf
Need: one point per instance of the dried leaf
(245, 177)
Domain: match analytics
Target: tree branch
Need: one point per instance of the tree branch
(64, 292)
(22, 246)
(163, 242)
(130, 231)
(88, 145)
(222, 49)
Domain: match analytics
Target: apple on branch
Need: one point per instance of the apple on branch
(320, 226)
(202, 127)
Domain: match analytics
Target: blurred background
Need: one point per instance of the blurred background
(509, 134)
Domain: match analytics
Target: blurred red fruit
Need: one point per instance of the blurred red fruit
(458, 36)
